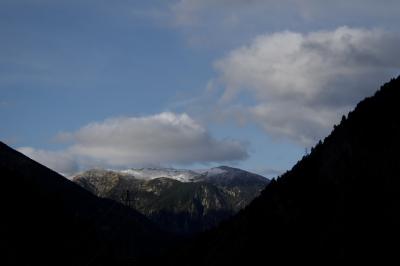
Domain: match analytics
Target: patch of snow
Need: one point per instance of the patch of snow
(153, 173)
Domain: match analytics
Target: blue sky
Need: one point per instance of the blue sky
(186, 83)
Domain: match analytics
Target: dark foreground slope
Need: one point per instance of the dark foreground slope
(48, 220)
(339, 204)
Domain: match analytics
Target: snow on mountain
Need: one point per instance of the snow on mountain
(184, 201)
(221, 173)
(153, 173)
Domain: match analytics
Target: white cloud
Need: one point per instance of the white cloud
(62, 162)
(303, 83)
(161, 139)
(157, 139)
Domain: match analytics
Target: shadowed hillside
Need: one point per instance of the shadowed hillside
(340, 203)
(48, 220)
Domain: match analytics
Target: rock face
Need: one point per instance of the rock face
(338, 205)
(181, 201)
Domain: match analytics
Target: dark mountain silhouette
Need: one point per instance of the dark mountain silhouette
(48, 220)
(178, 201)
(340, 204)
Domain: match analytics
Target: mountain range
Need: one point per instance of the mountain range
(340, 204)
(179, 201)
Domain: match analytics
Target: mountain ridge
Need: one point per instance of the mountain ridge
(51, 220)
(338, 204)
(180, 201)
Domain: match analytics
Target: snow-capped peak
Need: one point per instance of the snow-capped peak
(153, 173)
(221, 174)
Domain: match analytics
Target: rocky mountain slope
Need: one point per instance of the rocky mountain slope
(48, 220)
(338, 205)
(181, 201)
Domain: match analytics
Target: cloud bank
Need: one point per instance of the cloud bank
(61, 161)
(162, 139)
(231, 20)
(302, 83)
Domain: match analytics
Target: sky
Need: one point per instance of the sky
(187, 83)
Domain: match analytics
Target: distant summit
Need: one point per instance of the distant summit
(153, 173)
(181, 201)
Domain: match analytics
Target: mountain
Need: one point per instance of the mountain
(179, 201)
(340, 204)
(48, 220)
